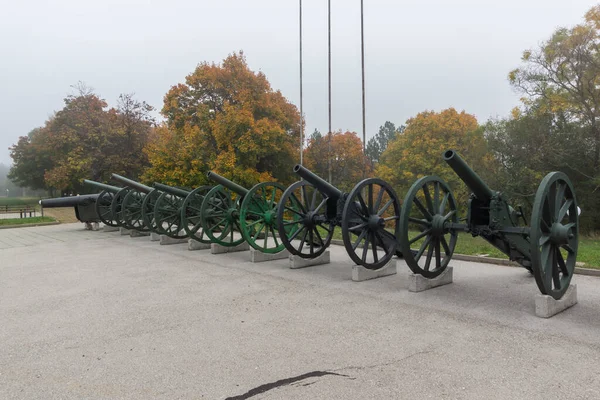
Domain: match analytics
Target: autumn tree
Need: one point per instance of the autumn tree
(348, 163)
(418, 151)
(378, 143)
(226, 118)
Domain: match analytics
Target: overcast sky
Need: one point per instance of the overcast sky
(420, 55)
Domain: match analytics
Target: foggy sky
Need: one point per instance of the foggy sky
(420, 55)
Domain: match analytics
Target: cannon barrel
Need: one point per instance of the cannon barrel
(102, 186)
(131, 183)
(468, 176)
(322, 185)
(171, 190)
(70, 201)
(234, 187)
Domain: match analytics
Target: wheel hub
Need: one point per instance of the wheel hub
(375, 222)
(560, 234)
(437, 225)
(269, 217)
(309, 220)
(231, 214)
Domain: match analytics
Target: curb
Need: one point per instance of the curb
(29, 225)
(497, 261)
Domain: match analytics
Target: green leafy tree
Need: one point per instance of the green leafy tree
(377, 144)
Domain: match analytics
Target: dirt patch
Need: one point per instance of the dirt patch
(65, 215)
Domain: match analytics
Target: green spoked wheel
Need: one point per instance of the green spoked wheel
(220, 216)
(148, 209)
(103, 208)
(116, 206)
(191, 218)
(370, 223)
(428, 210)
(132, 211)
(258, 217)
(303, 222)
(554, 234)
(167, 216)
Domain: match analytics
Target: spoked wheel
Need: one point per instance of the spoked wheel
(167, 216)
(116, 207)
(371, 218)
(191, 218)
(303, 223)
(132, 211)
(554, 234)
(148, 209)
(220, 217)
(427, 211)
(103, 208)
(258, 217)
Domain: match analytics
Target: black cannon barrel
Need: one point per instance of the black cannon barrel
(102, 186)
(131, 183)
(172, 190)
(468, 176)
(70, 201)
(321, 184)
(234, 187)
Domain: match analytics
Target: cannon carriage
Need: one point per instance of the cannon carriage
(547, 246)
(84, 206)
(109, 202)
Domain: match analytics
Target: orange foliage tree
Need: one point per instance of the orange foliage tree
(225, 118)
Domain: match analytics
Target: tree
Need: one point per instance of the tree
(348, 164)
(377, 144)
(225, 118)
(418, 151)
(31, 158)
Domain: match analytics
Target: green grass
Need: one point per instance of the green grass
(588, 253)
(22, 221)
(19, 201)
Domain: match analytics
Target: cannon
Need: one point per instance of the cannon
(232, 214)
(310, 210)
(84, 206)
(108, 204)
(138, 205)
(547, 247)
(167, 211)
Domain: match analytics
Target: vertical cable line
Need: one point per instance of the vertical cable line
(301, 109)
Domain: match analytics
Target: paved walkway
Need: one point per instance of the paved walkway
(96, 315)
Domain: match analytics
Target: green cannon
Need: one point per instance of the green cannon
(547, 247)
(84, 206)
(310, 210)
(232, 214)
(109, 202)
(138, 205)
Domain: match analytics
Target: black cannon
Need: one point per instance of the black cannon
(547, 246)
(84, 206)
(311, 209)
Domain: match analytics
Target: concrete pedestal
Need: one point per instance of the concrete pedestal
(135, 233)
(360, 273)
(299, 262)
(216, 248)
(166, 240)
(418, 283)
(258, 256)
(196, 245)
(154, 237)
(124, 231)
(92, 226)
(546, 306)
(107, 228)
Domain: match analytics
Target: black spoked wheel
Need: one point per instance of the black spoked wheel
(554, 234)
(426, 239)
(371, 223)
(103, 208)
(191, 217)
(303, 223)
(116, 207)
(148, 210)
(132, 211)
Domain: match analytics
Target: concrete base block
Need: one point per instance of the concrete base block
(135, 233)
(165, 240)
(154, 237)
(124, 231)
(299, 262)
(258, 256)
(196, 245)
(418, 283)
(92, 226)
(546, 306)
(360, 273)
(107, 228)
(216, 248)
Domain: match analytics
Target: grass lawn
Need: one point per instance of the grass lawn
(21, 221)
(19, 201)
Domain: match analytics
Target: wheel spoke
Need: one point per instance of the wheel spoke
(274, 236)
(429, 256)
(385, 207)
(370, 198)
(295, 234)
(391, 218)
(321, 204)
(563, 210)
(319, 236)
(445, 245)
(312, 241)
(560, 193)
(561, 262)
(381, 240)
(379, 198)
(305, 196)
(568, 248)
(303, 240)
(422, 208)
(365, 250)
(314, 200)
(438, 260)
(374, 247)
(419, 236)
(365, 209)
(257, 234)
(419, 221)
(428, 199)
(450, 214)
(294, 211)
(360, 238)
(422, 249)
(273, 196)
(436, 196)
(555, 272)
(266, 237)
(544, 239)
(545, 257)
(356, 227)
